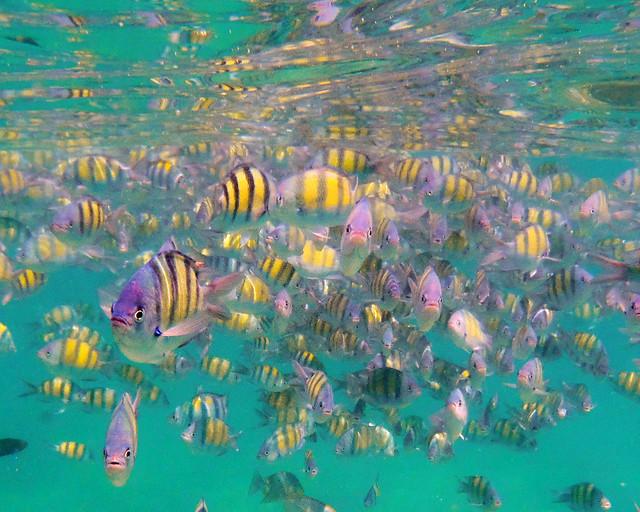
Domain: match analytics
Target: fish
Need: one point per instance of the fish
(318, 390)
(386, 387)
(202, 506)
(315, 197)
(209, 433)
(245, 196)
(479, 491)
(10, 445)
(530, 383)
(306, 504)
(74, 450)
(452, 418)
(426, 299)
(583, 496)
(163, 306)
(121, 442)
(372, 495)
(279, 486)
(468, 332)
(310, 465)
(364, 439)
(355, 243)
(285, 440)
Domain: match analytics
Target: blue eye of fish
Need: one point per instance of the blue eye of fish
(158, 332)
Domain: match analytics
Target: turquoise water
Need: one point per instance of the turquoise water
(543, 82)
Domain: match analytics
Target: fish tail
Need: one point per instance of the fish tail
(257, 482)
(31, 389)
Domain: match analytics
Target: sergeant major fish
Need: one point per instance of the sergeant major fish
(162, 306)
(121, 443)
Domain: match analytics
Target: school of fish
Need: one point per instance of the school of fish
(351, 283)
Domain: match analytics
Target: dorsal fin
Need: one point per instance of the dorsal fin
(169, 245)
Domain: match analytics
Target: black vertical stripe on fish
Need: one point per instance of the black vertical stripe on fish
(225, 191)
(266, 194)
(154, 265)
(171, 265)
(81, 217)
(251, 185)
(236, 190)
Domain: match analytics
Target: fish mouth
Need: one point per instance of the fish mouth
(59, 228)
(358, 238)
(114, 465)
(119, 323)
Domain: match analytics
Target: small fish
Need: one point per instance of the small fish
(372, 495)
(318, 390)
(584, 496)
(480, 492)
(285, 440)
(9, 446)
(364, 439)
(306, 504)
(74, 450)
(452, 418)
(208, 433)
(121, 443)
(315, 197)
(310, 465)
(426, 299)
(276, 487)
(531, 384)
(468, 331)
(202, 506)
(355, 244)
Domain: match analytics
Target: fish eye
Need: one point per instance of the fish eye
(320, 404)
(104, 452)
(347, 229)
(112, 308)
(423, 299)
(369, 233)
(127, 454)
(139, 315)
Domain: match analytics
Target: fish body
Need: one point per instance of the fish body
(387, 387)
(276, 487)
(318, 390)
(245, 196)
(285, 440)
(355, 244)
(315, 197)
(479, 491)
(584, 496)
(468, 332)
(82, 218)
(73, 450)
(9, 446)
(162, 307)
(310, 464)
(372, 495)
(366, 438)
(121, 443)
(306, 504)
(426, 299)
(71, 353)
(453, 417)
(207, 433)
(530, 383)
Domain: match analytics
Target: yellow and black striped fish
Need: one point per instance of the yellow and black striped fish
(162, 306)
(246, 195)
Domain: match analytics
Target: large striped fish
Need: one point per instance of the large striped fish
(163, 305)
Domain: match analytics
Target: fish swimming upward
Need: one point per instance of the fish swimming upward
(121, 443)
